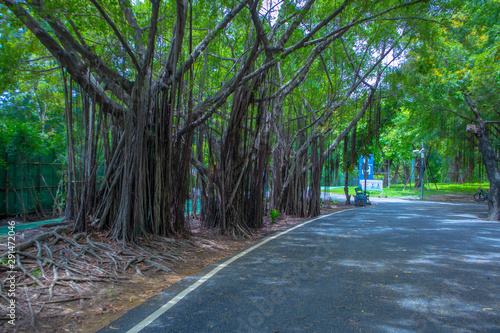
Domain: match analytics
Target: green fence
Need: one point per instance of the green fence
(29, 186)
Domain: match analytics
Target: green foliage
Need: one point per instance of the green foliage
(329, 201)
(23, 138)
(26, 139)
(425, 93)
(10, 51)
(31, 99)
(274, 214)
(444, 189)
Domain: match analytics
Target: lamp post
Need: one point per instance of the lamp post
(422, 157)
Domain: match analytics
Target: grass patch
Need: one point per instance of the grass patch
(396, 191)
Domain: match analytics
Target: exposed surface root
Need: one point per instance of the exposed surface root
(54, 268)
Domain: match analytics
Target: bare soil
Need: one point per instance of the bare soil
(453, 197)
(99, 303)
(458, 198)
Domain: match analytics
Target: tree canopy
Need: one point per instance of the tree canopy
(254, 96)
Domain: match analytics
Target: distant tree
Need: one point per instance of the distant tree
(453, 79)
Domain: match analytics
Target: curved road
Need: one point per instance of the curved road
(405, 266)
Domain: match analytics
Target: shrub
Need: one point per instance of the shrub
(274, 214)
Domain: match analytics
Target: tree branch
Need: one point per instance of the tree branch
(118, 35)
(119, 85)
(295, 24)
(152, 32)
(126, 6)
(260, 29)
(211, 104)
(353, 122)
(73, 63)
(105, 73)
(163, 80)
(447, 110)
(108, 75)
(474, 110)
(41, 70)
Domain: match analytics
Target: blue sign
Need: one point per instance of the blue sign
(368, 167)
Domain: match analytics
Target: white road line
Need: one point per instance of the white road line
(214, 271)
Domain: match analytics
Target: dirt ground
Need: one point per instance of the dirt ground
(454, 198)
(103, 302)
(457, 198)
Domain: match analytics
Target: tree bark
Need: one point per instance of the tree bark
(315, 177)
(489, 160)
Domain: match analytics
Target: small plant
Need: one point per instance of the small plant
(111, 292)
(274, 214)
(37, 273)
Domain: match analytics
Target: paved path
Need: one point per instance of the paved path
(405, 266)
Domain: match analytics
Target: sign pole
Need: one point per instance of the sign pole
(365, 171)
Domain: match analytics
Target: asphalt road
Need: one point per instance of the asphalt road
(395, 266)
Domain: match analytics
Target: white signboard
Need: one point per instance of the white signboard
(372, 185)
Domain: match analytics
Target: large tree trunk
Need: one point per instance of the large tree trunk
(407, 173)
(453, 170)
(396, 174)
(489, 159)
